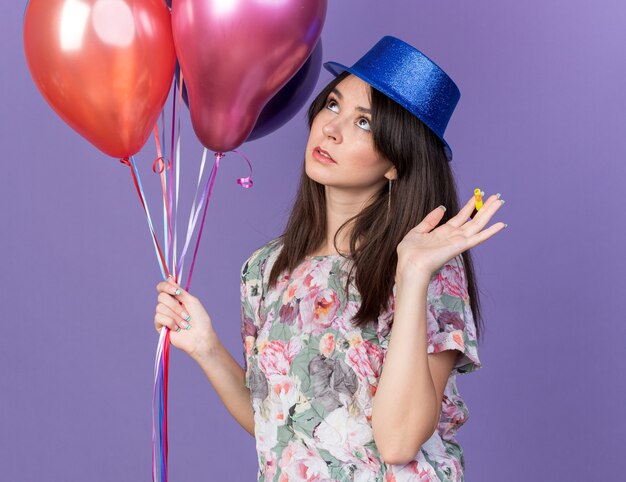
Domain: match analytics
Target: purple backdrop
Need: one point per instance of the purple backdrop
(541, 119)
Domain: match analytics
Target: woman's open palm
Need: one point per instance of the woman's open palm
(427, 247)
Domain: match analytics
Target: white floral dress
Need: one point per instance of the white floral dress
(313, 375)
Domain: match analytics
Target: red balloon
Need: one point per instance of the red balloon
(105, 66)
(235, 55)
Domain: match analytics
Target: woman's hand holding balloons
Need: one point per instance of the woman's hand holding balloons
(427, 247)
(190, 324)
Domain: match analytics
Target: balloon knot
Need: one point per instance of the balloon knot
(125, 161)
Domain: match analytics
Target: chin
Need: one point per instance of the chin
(315, 175)
(309, 170)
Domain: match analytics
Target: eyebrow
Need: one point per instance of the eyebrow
(358, 108)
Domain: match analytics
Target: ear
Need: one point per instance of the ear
(392, 173)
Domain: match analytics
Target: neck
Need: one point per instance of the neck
(341, 205)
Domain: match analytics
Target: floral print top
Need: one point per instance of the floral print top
(313, 375)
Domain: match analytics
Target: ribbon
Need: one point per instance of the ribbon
(218, 158)
(245, 182)
(169, 171)
(142, 198)
(193, 214)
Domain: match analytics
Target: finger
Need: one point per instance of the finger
(494, 198)
(431, 220)
(161, 320)
(165, 287)
(172, 288)
(481, 237)
(180, 317)
(465, 213)
(170, 300)
(482, 218)
(179, 293)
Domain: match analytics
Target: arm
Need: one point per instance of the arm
(228, 380)
(407, 405)
(192, 332)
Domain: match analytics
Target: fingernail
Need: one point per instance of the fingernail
(188, 327)
(482, 193)
(498, 195)
(177, 292)
(444, 208)
(506, 225)
(502, 201)
(177, 329)
(186, 316)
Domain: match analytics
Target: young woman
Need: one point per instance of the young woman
(357, 319)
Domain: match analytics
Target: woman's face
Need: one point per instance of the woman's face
(342, 130)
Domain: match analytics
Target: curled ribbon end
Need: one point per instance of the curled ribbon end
(125, 161)
(160, 164)
(245, 182)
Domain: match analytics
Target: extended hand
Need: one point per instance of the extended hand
(426, 247)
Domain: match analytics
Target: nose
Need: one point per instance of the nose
(332, 130)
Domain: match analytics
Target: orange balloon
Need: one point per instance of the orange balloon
(105, 66)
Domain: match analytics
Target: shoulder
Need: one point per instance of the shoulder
(259, 259)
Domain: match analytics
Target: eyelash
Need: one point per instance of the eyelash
(331, 99)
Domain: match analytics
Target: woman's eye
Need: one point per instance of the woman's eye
(364, 123)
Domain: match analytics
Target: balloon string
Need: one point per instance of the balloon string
(218, 157)
(172, 145)
(160, 448)
(245, 182)
(193, 215)
(161, 145)
(157, 412)
(177, 179)
(166, 364)
(163, 129)
(160, 166)
(162, 463)
(159, 409)
(139, 188)
(171, 174)
(154, 406)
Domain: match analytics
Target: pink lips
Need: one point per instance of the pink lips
(317, 154)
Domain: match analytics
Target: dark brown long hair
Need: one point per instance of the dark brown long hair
(425, 181)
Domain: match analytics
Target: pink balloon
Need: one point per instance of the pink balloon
(235, 55)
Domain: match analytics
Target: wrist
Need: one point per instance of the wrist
(207, 350)
(415, 277)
